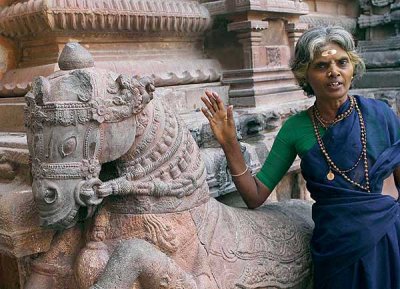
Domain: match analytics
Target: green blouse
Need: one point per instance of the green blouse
(295, 137)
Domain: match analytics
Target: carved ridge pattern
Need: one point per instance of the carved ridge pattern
(36, 16)
(73, 113)
(149, 133)
(99, 144)
(158, 185)
(187, 76)
(348, 23)
(373, 20)
(152, 166)
(185, 186)
(59, 171)
(147, 163)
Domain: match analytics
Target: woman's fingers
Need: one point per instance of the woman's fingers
(218, 101)
(229, 113)
(206, 113)
(208, 105)
(215, 101)
(216, 111)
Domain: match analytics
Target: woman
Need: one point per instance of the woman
(348, 145)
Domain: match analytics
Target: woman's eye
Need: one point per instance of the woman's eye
(68, 146)
(321, 65)
(343, 62)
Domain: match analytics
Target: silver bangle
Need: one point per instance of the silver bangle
(242, 173)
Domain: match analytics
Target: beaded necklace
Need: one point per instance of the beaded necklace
(326, 123)
(363, 155)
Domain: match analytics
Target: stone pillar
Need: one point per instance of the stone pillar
(264, 78)
(295, 30)
(249, 34)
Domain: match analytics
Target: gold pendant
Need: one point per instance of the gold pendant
(330, 176)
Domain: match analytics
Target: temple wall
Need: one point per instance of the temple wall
(241, 49)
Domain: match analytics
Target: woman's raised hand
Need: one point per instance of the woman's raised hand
(220, 118)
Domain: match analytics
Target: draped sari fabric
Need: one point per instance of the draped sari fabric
(356, 239)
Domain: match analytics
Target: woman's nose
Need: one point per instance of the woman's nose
(333, 73)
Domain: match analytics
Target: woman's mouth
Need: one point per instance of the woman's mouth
(334, 84)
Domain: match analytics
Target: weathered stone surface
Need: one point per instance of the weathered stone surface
(12, 115)
(327, 12)
(8, 57)
(268, 6)
(381, 48)
(168, 32)
(20, 234)
(155, 221)
(176, 61)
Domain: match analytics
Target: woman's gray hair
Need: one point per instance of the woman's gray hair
(311, 43)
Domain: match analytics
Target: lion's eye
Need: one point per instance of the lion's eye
(68, 146)
(50, 195)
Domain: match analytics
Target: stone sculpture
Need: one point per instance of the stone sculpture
(379, 13)
(154, 224)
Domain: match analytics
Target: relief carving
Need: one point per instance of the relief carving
(37, 16)
(378, 12)
(273, 56)
(154, 225)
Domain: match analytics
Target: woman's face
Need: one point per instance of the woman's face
(330, 73)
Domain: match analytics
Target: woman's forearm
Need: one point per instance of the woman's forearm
(222, 124)
(253, 192)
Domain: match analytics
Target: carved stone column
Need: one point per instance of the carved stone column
(295, 30)
(249, 34)
(264, 77)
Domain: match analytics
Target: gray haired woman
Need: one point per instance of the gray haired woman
(348, 145)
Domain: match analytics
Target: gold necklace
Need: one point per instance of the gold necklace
(325, 123)
(363, 155)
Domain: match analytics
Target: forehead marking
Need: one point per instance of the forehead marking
(328, 52)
